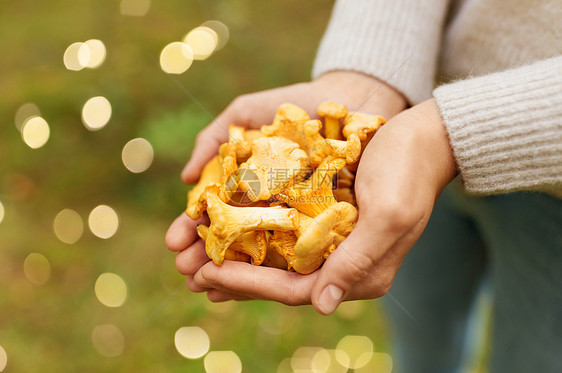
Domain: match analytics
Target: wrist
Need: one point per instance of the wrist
(362, 92)
(426, 119)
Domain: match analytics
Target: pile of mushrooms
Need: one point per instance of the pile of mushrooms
(296, 178)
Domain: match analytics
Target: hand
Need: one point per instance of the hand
(403, 170)
(357, 91)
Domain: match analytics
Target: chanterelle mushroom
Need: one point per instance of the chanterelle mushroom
(314, 195)
(318, 237)
(349, 150)
(362, 124)
(332, 114)
(287, 122)
(237, 138)
(211, 174)
(290, 165)
(229, 222)
(275, 162)
(293, 123)
(252, 245)
(283, 243)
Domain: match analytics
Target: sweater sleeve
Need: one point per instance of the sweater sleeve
(396, 41)
(505, 128)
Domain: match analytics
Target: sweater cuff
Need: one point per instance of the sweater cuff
(395, 41)
(506, 128)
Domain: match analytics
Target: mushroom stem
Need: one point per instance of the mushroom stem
(349, 149)
(332, 113)
(228, 223)
(332, 129)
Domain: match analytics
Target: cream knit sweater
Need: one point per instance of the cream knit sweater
(504, 115)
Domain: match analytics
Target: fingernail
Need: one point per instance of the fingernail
(330, 298)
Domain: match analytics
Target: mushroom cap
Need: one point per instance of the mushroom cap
(291, 113)
(314, 195)
(362, 124)
(251, 135)
(276, 162)
(323, 235)
(332, 110)
(293, 123)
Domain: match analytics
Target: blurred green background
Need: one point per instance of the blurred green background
(49, 327)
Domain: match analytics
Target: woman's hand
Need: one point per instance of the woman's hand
(401, 174)
(357, 91)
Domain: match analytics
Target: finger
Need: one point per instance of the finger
(189, 261)
(257, 282)
(217, 296)
(194, 287)
(183, 232)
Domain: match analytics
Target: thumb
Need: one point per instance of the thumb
(351, 263)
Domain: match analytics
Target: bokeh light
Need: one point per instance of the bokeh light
(68, 226)
(111, 289)
(222, 362)
(35, 132)
(25, 112)
(203, 41)
(97, 53)
(192, 342)
(96, 113)
(76, 56)
(354, 351)
(324, 361)
(1, 212)
(301, 361)
(176, 58)
(103, 221)
(108, 340)
(137, 155)
(380, 362)
(37, 268)
(3, 359)
(137, 8)
(221, 30)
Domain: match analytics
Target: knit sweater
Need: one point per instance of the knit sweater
(502, 65)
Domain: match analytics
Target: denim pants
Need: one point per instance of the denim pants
(516, 241)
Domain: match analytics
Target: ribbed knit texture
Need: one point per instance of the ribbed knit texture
(506, 128)
(396, 41)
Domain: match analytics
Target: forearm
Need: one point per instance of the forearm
(506, 128)
(396, 41)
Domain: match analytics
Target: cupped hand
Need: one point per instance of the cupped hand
(401, 174)
(355, 90)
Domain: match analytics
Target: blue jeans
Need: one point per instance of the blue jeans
(516, 239)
